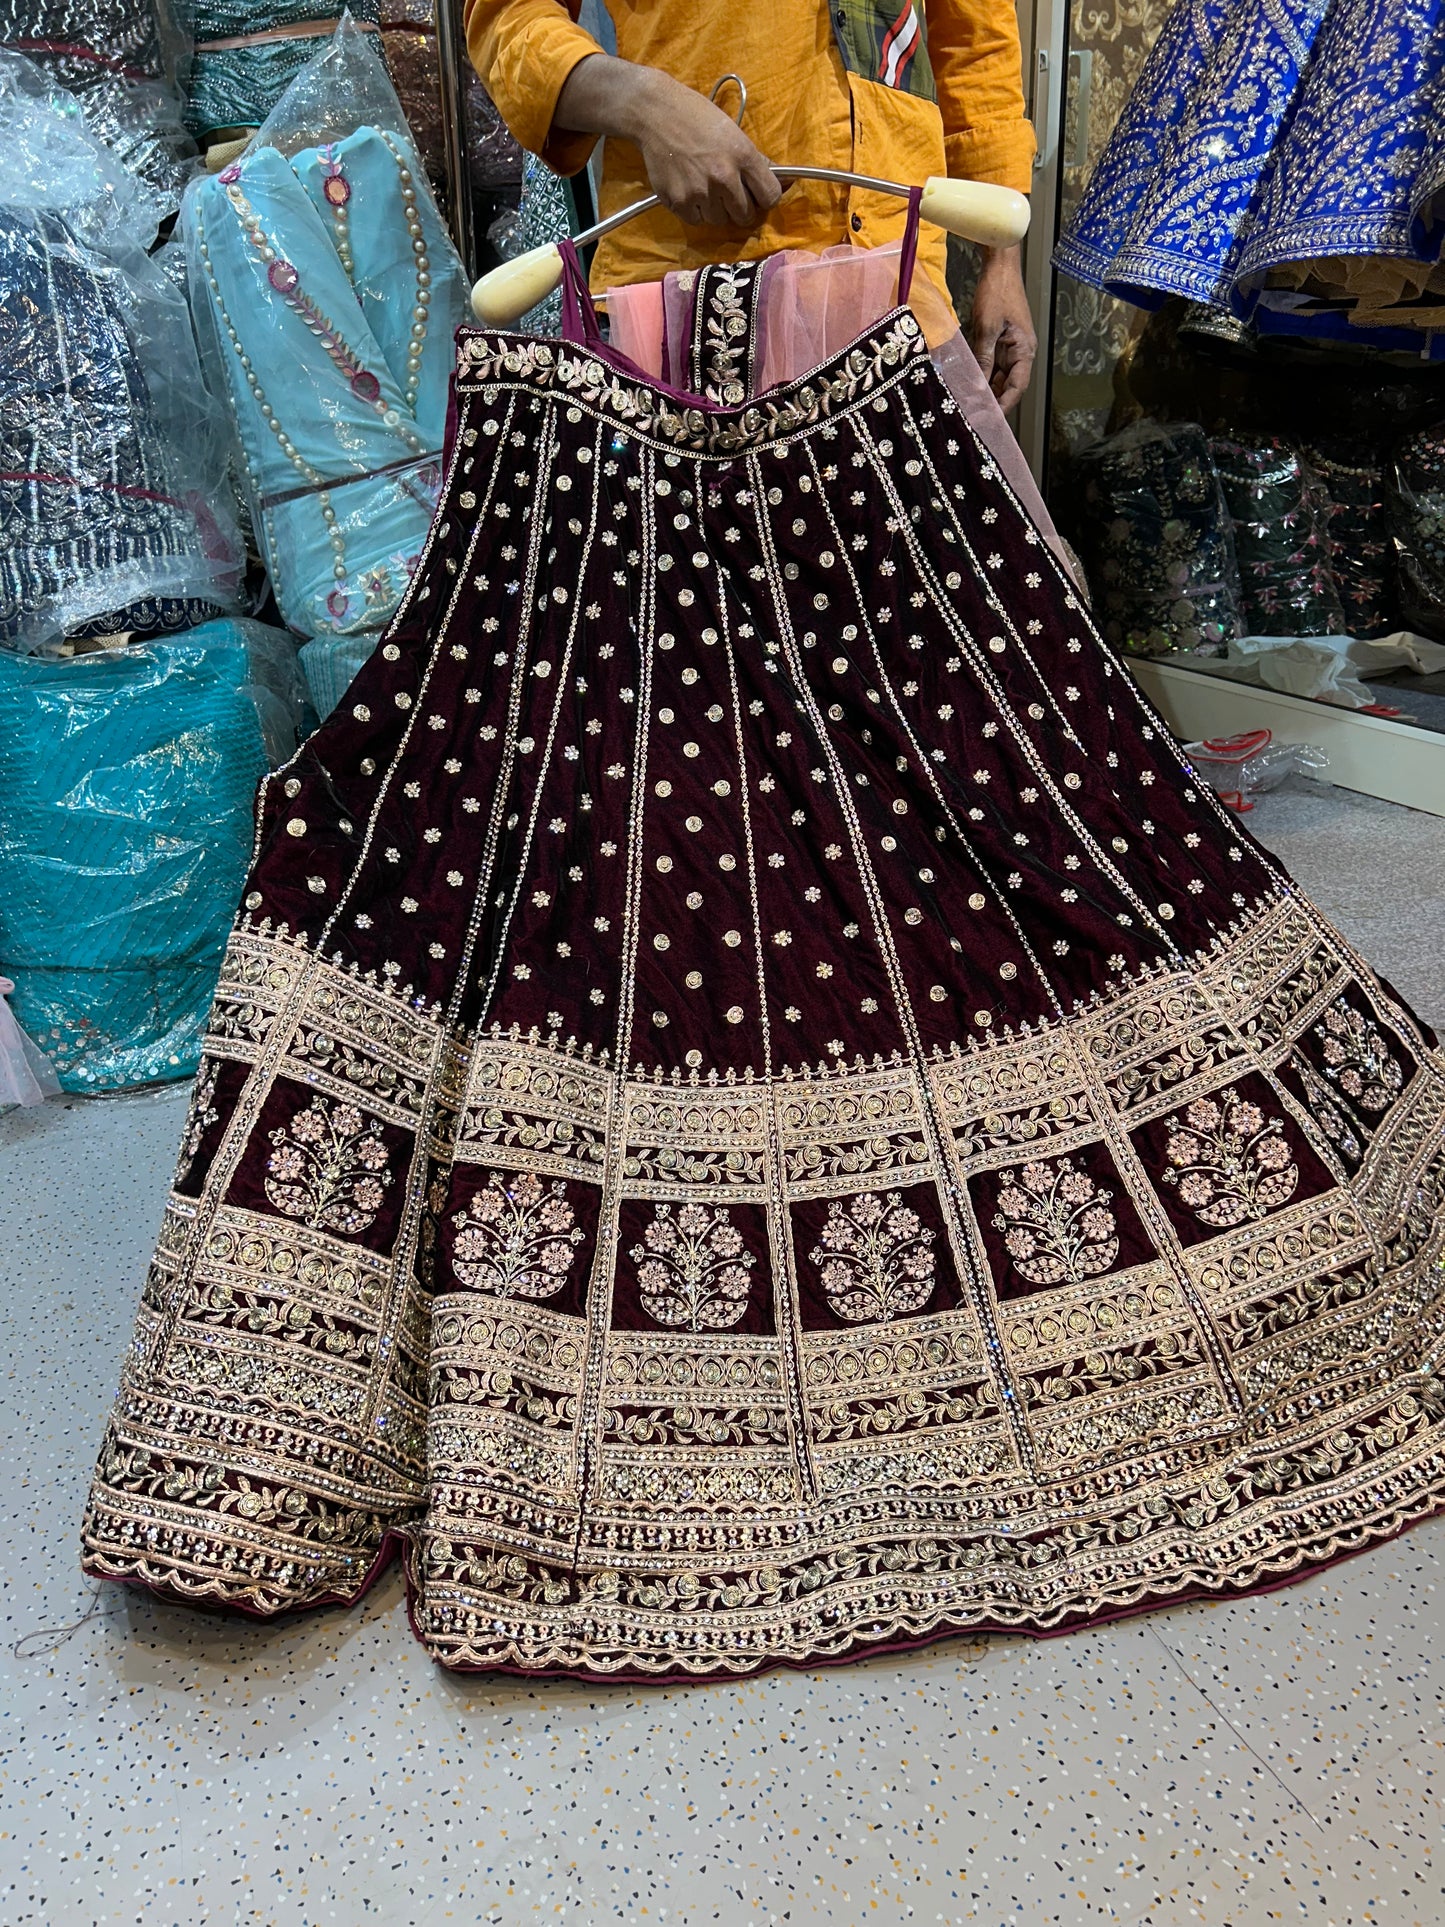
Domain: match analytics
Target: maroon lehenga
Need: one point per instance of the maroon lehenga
(755, 1110)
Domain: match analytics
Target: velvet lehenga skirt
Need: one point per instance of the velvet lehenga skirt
(756, 1110)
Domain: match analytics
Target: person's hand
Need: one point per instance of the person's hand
(701, 164)
(1002, 329)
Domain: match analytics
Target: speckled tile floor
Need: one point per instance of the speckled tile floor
(1275, 1760)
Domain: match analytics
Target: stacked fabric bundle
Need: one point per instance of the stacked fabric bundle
(110, 452)
(112, 56)
(1281, 517)
(1157, 546)
(126, 783)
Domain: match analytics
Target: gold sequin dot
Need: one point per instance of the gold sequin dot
(296, 827)
(659, 1017)
(661, 942)
(977, 900)
(693, 1059)
(900, 807)
(732, 938)
(368, 766)
(293, 786)
(840, 665)
(693, 980)
(391, 652)
(664, 789)
(694, 823)
(1120, 845)
(1071, 781)
(664, 863)
(665, 716)
(997, 644)
(1007, 970)
(722, 787)
(889, 842)
(689, 675)
(727, 863)
(403, 701)
(1166, 910)
(316, 885)
(982, 1018)
(253, 900)
(690, 749)
(735, 1013)
(694, 899)
(938, 993)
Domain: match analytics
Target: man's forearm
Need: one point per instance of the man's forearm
(602, 95)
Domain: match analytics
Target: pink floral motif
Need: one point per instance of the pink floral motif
(1056, 1222)
(516, 1237)
(693, 1268)
(329, 1168)
(875, 1258)
(1357, 1060)
(1228, 1162)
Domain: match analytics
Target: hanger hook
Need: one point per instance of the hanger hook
(742, 88)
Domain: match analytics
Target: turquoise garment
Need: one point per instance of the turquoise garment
(310, 273)
(330, 665)
(126, 784)
(1258, 136)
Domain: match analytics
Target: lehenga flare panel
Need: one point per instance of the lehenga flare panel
(756, 1110)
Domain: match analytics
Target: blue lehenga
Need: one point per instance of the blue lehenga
(1295, 145)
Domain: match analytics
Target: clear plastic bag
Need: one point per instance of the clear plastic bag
(118, 59)
(1156, 541)
(330, 666)
(112, 454)
(1239, 768)
(327, 295)
(246, 53)
(126, 786)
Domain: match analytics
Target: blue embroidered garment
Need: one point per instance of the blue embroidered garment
(1260, 136)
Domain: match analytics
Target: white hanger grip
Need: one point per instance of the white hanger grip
(506, 294)
(995, 217)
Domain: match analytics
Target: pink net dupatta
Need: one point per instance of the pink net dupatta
(810, 306)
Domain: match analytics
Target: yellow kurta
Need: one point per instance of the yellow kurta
(803, 107)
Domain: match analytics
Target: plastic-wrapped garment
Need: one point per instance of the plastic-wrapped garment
(805, 308)
(331, 294)
(330, 666)
(1156, 541)
(27, 1075)
(126, 783)
(246, 53)
(1416, 509)
(50, 160)
(1281, 544)
(114, 56)
(112, 454)
(1357, 537)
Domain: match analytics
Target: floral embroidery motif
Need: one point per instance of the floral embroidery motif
(516, 1238)
(693, 1268)
(721, 349)
(1057, 1224)
(328, 1168)
(876, 1259)
(1228, 1161)
(1357, 1059)
(199, 1118)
